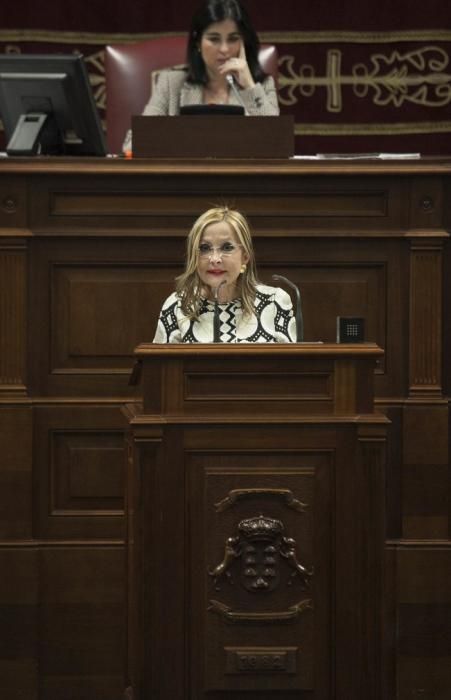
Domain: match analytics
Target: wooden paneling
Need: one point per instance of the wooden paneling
(19, 615)
(98, 312)
(349, 278)
(92, 300)
(15, 472)
(12, 318)
(13, 204)
(78, 472)
(213, 476)
(88, 251)
(426, 472)
(81, 622)
(425, 327)
(423, 658)
(155, 203)
(314, 479)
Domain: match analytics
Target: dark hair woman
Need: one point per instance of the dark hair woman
(222, 43)
(214, 11)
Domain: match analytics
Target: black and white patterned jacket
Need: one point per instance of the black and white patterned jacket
(272, 322)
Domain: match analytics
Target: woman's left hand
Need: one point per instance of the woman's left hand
(239, 69)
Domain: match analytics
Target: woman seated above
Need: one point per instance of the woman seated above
(222, 42)
(219, 289)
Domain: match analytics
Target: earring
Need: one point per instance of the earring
(243, 268)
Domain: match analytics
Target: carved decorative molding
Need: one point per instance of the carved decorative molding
(261, 548)
(289, 615)
(239, 494)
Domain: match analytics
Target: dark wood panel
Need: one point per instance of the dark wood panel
(16, 472)
(79, 472)
(12, 317)
(358, 204)
(19, 679)
(14, 202)
(91, 298)
(19, 615)
(352, 202)
(98, 310)
(423, 602)
(216, 600)
(424, 630)
(82, 623)
(426, 472)
(227, 477)
(424, 573)
(427, 202)
(96, 304)
(86, 472)
(425, 436)
(85, 244)
(423, 677)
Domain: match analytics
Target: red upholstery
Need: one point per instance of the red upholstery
(128, 70)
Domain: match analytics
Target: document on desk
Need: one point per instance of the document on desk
(368, 156)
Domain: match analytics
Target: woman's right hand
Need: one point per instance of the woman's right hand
(239, 68)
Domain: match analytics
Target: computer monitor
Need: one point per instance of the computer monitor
(47, 106)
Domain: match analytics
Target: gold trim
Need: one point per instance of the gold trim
(50, 37)
(289, 37)
(327, 37)
(372, 129)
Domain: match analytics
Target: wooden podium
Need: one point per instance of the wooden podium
(255, 503)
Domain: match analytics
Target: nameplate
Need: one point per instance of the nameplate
(260, 660)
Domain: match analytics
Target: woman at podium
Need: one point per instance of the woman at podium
(218, 297)
(222, 67)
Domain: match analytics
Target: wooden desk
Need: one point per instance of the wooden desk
(85, 247)
(256, 523)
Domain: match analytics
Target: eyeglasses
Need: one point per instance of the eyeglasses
(224, 251)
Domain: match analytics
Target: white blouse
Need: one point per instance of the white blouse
(272, 321)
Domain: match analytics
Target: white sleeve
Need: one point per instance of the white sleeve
(157, 106)
(284, 320)
(168, 330)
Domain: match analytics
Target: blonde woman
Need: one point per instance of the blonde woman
(218, 297)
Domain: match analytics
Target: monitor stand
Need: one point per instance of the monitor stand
(33, 132)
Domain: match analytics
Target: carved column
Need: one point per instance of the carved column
(425, 336)
(425, 414)
(12, 318)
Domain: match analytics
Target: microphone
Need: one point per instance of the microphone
(298, 312)
(216, 321)
(231, 81)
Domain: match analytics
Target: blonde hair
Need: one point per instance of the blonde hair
(189, 286)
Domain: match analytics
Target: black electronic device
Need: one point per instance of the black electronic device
(350, 329)
(47, 106)
(209, 109)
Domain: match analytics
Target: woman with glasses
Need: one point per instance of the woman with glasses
(219, 294)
